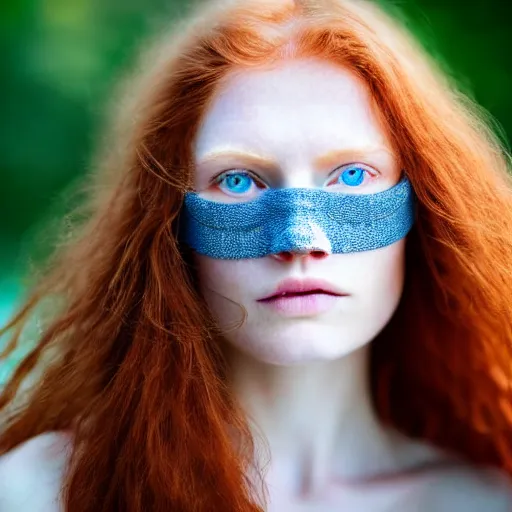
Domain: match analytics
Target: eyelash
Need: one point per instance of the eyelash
(216, 180)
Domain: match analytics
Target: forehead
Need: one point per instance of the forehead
(300, 106)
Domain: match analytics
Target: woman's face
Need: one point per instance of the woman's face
(303, 124)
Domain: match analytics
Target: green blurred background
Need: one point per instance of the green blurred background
(61, 60)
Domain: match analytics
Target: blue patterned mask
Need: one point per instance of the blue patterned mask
(297, 220)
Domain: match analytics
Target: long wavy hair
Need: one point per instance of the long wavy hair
(129, 359)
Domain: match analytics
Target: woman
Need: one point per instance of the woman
(292, 291)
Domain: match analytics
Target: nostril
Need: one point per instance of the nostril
(284, 256)
(290, 255)
(318, 254)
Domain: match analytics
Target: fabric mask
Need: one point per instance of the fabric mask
(291, 219)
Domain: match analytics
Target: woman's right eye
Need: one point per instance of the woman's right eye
(238, 183)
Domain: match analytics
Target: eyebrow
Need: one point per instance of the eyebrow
(335, 157)
(246, 156)
(328, 160)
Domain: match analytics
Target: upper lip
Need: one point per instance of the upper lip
(295, 285)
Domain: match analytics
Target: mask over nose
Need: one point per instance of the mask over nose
(297, 220)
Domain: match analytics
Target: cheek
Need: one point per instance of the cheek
(227, 277)
(226, 287)
(213, 282)
(210, 272)
(380, 275)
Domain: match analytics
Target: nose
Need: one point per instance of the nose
(301, 240)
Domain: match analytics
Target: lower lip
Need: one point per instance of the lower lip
(303, 305)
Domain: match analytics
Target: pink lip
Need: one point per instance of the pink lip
(286, 298)
(295, 285)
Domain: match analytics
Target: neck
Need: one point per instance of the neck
(317, 419)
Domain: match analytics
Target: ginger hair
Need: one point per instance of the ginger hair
(131, 359)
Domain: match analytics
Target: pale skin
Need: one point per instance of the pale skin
(302, 379)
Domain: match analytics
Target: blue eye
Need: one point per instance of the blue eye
(237, 182)
(353, 176)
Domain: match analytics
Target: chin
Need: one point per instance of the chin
(299, 349)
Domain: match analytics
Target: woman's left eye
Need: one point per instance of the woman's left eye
(352, 176)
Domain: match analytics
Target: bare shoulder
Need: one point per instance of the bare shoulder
(31, 474)
(469, 489)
